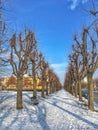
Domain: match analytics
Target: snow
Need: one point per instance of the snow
(59, 111)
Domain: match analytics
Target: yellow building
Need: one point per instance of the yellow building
(27, 83)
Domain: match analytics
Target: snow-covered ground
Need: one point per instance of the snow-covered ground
(59, 111)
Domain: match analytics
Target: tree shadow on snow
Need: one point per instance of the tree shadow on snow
(16, 117)
(76, 103)
(38, 115)
(34, 115)
(41, 115)
(6, 109)
(5, 96)
(75, 115)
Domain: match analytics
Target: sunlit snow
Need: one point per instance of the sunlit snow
(59, 111)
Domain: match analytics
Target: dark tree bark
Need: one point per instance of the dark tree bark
(19, 91)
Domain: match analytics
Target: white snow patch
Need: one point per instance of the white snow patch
(60, 111)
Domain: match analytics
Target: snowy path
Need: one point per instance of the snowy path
(60, 111)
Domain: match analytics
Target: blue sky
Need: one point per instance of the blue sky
(54, 23)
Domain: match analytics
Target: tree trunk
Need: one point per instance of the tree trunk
(54, 86)
(46, 88)
(34, 88)
(19, 92)
(50, 87)
(72, 89)
(91, 93)
(34, 79)
(43, 88)
(80, 90)
(76, 90)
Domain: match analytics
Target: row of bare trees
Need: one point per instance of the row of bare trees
(83, 61)
(24, 58)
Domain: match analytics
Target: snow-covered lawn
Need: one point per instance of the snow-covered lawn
(59, 111)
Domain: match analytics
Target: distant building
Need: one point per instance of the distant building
(9, 83)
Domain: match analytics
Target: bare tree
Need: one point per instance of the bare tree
(72, 78)
(50, 76)
(3, 39)
(53, 81)
(56, 83)
(93, 9)
(21, 49)
(77, 61)
(34, 64)
(87, 48)
(43, 69)
(90, 57)
(69, 79)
